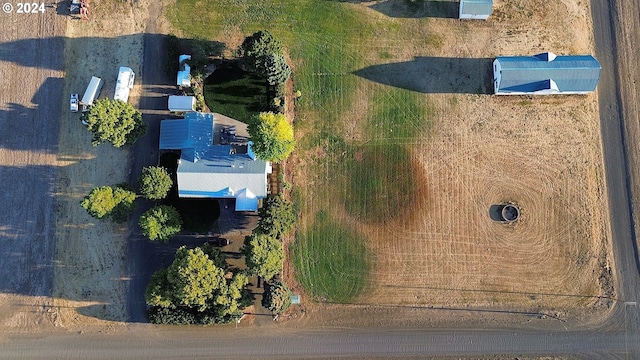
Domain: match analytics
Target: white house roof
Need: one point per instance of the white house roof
(181, 103)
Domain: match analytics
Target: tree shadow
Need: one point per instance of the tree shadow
(27, 230)
(414, 8)
(435, 75)
(36, 127)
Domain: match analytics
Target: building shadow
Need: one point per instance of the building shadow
(415, 8)
(495, 212)
(440, 75)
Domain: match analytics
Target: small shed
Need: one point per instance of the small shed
(545, 74)
(184, 71)
(182, 103)
(476, 9)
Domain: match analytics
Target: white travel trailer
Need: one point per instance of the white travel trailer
(126, 76)
(92, 92)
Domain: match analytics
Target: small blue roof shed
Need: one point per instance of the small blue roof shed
(545, 74)
(476, 9)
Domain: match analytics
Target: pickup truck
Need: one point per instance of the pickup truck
(73, 103)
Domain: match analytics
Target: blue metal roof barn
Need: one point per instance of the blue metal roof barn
(545, 74)
(476, 9)
(206, 170)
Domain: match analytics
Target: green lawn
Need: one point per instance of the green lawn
(369, 178)
(235, 93)
(331, 260)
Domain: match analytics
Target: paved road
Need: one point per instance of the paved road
(616, 338)
(325, 343)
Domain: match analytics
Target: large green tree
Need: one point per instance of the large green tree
(277, 70)
(194, 290)
(277, 216)
(255, 50)
(114, 121)
(264, 255)
(105, 201)
(154, 182)
(161, 223)
(276, 296)
(272, 136)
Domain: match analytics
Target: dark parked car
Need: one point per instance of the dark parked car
(218, 241)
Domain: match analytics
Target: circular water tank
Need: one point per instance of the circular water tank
(510, 213)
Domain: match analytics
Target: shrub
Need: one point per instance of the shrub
(154, 182)
(161, 223)
(105, 201)
(276, 296)
(264, 255)
(276, 216)
(272, 136)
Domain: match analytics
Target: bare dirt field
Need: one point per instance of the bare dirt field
(32, 77)
(542, 153)
(87, 277)
(91, 278)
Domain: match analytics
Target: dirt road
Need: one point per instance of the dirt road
(31, 68)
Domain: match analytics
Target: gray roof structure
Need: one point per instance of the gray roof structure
(475, 9)
(546, 71)
(206, 170)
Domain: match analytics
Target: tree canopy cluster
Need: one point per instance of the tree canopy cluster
(276, 296)
(114, 121)
(277, 216)
(161, 223)
(106, 201)
(256, 50)
(154, 182)
(272, 136)
(264, 255)
(194, 290)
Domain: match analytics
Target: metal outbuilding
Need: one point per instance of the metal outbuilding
(545, 74)
(181, 103)
(475, 9)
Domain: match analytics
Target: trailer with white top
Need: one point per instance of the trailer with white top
(124, 84)
(92, 92)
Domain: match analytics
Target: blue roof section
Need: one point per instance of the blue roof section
(476, 7)
(174, 134)
(573, 73)
(194, 132)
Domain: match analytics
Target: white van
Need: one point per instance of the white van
(92, 92)
(126, 76)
